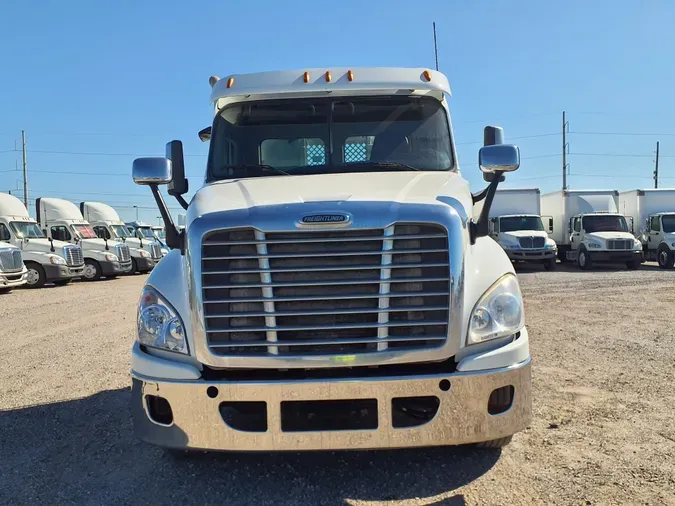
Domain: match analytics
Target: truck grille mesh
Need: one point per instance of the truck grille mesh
(73, 256)
(123, 252)
(156, 251)
(326, 292)
(11, 260)
(532, 242)
(619, 244)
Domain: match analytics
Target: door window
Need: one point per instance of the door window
(577, 224)
(60, 233)
(4, 233)
(655, 225)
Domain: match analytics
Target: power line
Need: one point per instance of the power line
(89, 153)
(629, 134)
(87, 173)
(626, 155)
(512, 138)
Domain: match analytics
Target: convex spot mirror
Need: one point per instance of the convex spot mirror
(147, 171)
(499, 158)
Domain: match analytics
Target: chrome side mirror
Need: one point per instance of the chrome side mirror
(147, 171)
(499, 158)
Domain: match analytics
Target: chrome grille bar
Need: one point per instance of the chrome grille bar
(311, 342)
(330, 297)
(330, 254)
(385, 286)
(267, 291)
(338, 239)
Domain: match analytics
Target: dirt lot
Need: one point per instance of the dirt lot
(603, 432)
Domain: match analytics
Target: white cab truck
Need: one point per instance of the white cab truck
(61, 220)
(653, 213)
(106, 224)
(47, 261)
(516, 224)
(13, 272)
(589, 229)
(331, 289)
(146, 232)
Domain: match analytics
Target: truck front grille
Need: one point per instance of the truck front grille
(73, 255)
(11, 260)
(619, 244)
(123, 253)
(326, 292)
(156, 251)
(532, 242)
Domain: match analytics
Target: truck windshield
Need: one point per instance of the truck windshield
(513, 223)
(26, 229)
(329, 135)
(610, 223)
(668, 222)
(146, 232)
(84, 231)
(119, 231)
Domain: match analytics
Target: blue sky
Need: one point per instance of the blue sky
(121, 79)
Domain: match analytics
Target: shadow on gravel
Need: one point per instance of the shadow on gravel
(84, 452)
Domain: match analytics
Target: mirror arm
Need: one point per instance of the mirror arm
(481, 228)
(477, 197)
(183, 203)
(174, 239)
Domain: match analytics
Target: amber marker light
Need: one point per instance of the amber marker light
(328, 76)
(230, 82)
(427, 75)
(306, 78)
(350, 76)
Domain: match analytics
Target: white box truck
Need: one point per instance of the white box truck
(653, 213)
(516, 224)
(106, 223)
(588, 228)
(47, 261)
(61, 220)
(13, 272)
(330, 289)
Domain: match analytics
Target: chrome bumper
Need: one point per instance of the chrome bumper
(13, 279)
(531, 255)
(462, 415)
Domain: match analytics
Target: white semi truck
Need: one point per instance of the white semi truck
(516, 224)
(653, 213)
(588, 228)
(13, 272)
(330, 289)
(146, 232)
(61, 220)
(106, 223)
(46, 260)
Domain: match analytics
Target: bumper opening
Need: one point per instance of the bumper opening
(306, 416)
(247, 416)
(500, 400)
(159, 409)
(413, 411)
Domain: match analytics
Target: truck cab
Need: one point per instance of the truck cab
(330, 289)
(13, 272)
(107, 225)
(658, 239)
(46, 260)
(148, 234)
(61, 220)
(603, 237)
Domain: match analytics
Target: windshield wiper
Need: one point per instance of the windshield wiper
(382, 165)
(251, 166)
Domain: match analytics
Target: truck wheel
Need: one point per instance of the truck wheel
(36, 275)
(550, 264)
(495, 443)
(134, 267)
(584, 259)
(665, 257)
(92, 270)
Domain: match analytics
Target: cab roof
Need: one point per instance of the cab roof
(338, 80)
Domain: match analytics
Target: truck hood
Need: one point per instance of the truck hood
(610, 235)
(398, 187)
(44, 246)
(97, 245)
(524, 233)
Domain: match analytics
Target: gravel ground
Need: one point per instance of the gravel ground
(603, 432)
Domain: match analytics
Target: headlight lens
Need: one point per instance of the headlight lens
(111, 258)
(594, 245)
(145, 254)
(57, 260)
(499, 312)
(511, 246)
(637, 244)
(158, 324)
(550, 244)
(165, 252)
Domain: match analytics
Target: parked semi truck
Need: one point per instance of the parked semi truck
(61, 220)
(588, 228)
(46, 260)
(146, 232)
(106, 224)
(330, 298)
(653, 213)
(516, 224)
(13, 272)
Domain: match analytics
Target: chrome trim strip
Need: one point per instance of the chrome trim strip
(323, 268)
(267, 291)
(319, 342)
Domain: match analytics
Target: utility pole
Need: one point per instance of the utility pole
(25, 176)
(656, 168)
(435, 46)
(564, 152)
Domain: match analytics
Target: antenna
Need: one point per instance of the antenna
(435, 46)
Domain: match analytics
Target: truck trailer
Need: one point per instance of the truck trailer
(588, 228)
(61, 220)
(47, 261)
(106, 224)
(516, 224)
(653, 213)
(330, 289)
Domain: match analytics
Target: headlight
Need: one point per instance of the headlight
(594, 245)
(111, 258)
(550, 244)
(165, 252)
(499, 312)
(145, 254)
(637, 244)
(511, 246)
(56, 260)
(158, 324)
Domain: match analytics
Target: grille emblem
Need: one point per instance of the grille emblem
(339, 219)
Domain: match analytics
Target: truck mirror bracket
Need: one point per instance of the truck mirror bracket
(174, 239)
(481, 227)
